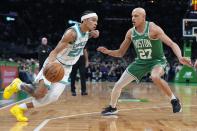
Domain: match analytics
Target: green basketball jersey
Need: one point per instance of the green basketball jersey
(147, 49)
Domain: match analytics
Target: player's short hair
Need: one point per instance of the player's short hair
(87, 12)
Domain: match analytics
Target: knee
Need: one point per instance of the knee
(155, 77)
(41, 90)
(43, 101)
(40, 94)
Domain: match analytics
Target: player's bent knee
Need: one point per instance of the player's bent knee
(39, 96)
(155, 77)
(40, 92)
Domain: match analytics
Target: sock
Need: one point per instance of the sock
(173, 97)
(19, 85)
(23, 106)
(113, 106)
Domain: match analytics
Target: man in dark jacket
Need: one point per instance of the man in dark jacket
(81, 64)
(43, 51)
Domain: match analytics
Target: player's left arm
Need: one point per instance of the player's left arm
(160, 34)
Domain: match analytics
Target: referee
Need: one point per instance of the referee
(81, 64)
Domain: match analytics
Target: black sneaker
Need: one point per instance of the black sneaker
(74, 93)
(109, 111)
(84, 93)
(176, 106)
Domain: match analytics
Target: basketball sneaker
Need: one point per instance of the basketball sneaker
(19, 126)
(74, 93)
(18, 112)
(176, 106)
(11, 89)
(84, 93)
(109, 111)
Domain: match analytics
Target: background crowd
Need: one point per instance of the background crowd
(20, 36)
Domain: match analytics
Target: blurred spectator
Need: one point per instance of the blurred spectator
(43, 51)
(89, 73)
(97, 75)
(104, 70)
(19, 37)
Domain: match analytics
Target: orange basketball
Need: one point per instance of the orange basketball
(53, 72)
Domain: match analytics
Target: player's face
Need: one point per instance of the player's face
(92, 23)
(44, 41)
(137, 18)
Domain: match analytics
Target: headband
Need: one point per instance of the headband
(88, 16)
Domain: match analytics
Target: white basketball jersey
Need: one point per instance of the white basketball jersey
(71, 54)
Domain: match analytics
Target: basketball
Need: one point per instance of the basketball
(53, 72)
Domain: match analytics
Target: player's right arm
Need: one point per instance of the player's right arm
(123, 47)
(68, 37)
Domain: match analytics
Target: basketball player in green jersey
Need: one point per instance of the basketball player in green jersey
(147, 40)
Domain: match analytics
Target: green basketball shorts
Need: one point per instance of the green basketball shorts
(138, 69)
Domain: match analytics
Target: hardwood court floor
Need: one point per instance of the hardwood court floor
(82, 113)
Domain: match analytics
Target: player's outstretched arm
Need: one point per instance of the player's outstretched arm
(177, 51)
(123, 47)
(68, 37)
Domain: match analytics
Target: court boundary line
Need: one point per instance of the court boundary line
(29, 98)
(42, 124)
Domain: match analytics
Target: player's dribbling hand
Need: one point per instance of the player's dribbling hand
(94, 33)
(185, 61)
(103, 50)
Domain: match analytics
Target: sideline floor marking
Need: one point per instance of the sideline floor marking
(42, 124)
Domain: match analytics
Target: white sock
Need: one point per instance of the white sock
(173, 97)
(19, 86)
(23, 106)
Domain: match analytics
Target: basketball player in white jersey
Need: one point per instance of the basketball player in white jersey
(67, 52)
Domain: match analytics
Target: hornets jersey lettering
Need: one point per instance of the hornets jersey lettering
(71, 54)
(147, 49)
